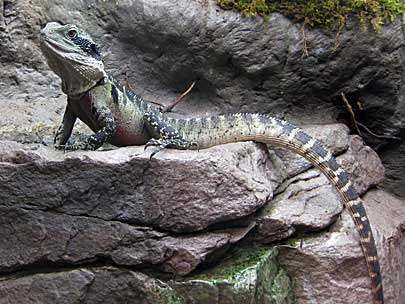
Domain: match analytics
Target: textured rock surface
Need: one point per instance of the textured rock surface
(61, 214)
(31, 238)
(320, 266)
(248, 275)
(84, 209)
(307, 201)
(84, 285)
(242, 64)
(178, 190)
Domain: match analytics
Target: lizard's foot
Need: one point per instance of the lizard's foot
(159, 145)
(83, 143)
(162, 143)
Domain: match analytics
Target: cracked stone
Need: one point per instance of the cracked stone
(180, 191)
(307, 202)
(330, 267)
(84, 285)
(31, 238)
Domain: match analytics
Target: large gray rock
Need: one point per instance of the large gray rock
(243, 64)
(93, 285)
(307, 202)
(180, 191)
(31, 238)
(330, 268)
(77, 209)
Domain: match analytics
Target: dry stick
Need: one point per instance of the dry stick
(161, 105)
(178, 99)
(378, 136)
(172, 105)
(356, 124)
(305, 52)
(349, 107)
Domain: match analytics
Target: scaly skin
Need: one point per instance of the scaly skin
(120, 117)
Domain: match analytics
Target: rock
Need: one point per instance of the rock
(307, 202)
(334, 137)
(387, 214)
(363, 165)
(180, 191)
(330, 268)
(242, 64)
(248, 275)
(394, 160)
(62, 239)
(85, 285)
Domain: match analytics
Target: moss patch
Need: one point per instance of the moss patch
(169, 296)
(324, 13)
(248, 275)
(238, 261)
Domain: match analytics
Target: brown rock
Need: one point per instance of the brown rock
(363, 165)
(330, 268)
(387, 214)
(335, 138)
(84, 285)
(179, 191)
(307, 202)
(33, 237)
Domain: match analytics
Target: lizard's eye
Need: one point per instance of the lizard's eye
(72, 34)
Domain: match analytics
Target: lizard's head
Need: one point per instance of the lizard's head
(73, 56)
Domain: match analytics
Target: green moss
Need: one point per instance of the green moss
(248, 275)
(169, 296)
(238, 261)
(281, 290)
(323, 13)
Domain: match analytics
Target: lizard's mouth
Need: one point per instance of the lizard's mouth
(52, 46)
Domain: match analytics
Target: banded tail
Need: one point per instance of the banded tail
(211, 131)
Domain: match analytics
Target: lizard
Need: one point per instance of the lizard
(119, 116)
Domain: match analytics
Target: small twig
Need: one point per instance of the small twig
(178, 99)
(356, 124)
(160, 105)
(353, 118)
(305, 52)
(389, 137)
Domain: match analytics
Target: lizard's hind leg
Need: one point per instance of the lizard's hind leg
(164, 135)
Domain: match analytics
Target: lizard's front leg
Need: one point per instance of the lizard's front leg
(164, 135)
(65, 130)
(105, 120)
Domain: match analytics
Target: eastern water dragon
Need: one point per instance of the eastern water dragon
(123, 118)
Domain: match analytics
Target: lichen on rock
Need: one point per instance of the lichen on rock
(247, 275)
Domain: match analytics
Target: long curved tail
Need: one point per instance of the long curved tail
(211, 131)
